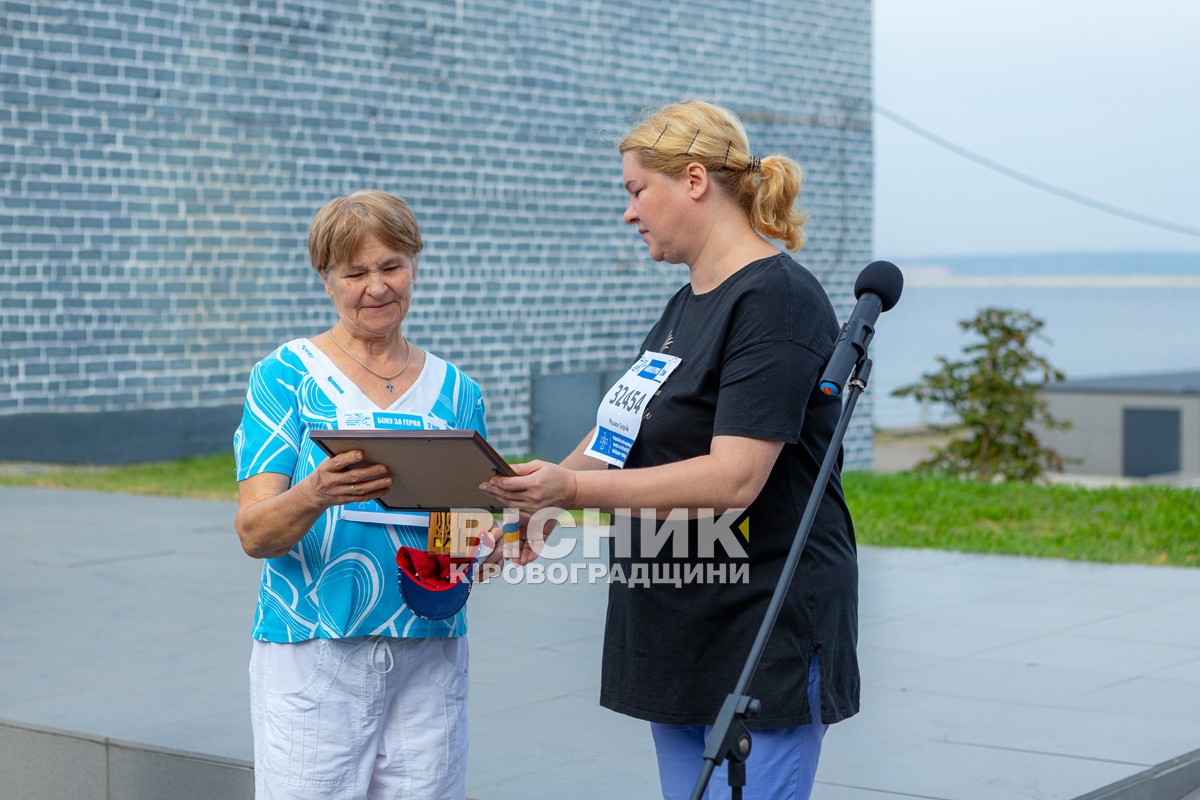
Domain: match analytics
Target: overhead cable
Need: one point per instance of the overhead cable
(1075, 197)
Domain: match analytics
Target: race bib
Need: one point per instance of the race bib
(387, 420)
(369, 510)
(619, 417)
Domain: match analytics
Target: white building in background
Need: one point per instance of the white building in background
(1136, 426)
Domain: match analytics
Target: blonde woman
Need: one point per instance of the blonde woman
(719, 412)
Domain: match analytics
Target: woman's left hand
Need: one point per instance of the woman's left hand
(489, 566)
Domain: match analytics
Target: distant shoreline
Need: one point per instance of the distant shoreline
(1053, 270)
(1052, 281)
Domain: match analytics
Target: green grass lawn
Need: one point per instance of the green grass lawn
(1140, 524)
(206, 477)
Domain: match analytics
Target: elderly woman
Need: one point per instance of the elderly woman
(352, 694)
(720, 412)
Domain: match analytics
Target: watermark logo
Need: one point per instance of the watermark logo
(673, 548)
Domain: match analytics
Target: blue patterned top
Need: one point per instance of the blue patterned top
(340, 579)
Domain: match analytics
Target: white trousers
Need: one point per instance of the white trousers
(365, 717)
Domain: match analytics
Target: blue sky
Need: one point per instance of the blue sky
(1099, 97)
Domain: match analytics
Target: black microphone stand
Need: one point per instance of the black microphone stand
(730, 739)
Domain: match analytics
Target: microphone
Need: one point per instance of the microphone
(877, 290)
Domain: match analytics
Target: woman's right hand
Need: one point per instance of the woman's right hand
(534, 486)
(339, 480)
(273, 515)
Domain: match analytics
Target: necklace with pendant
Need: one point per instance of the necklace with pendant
(388, 378)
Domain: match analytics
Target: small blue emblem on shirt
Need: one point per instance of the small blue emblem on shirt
(652, 370)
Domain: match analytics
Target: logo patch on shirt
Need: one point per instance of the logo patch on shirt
(356, 419)
(652, 369)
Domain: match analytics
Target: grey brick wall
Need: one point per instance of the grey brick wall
(160, 162)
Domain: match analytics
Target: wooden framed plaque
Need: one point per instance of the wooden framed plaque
(431, 470)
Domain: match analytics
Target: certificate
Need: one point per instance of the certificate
(431, 470)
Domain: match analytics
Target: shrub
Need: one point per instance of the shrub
(995, 393)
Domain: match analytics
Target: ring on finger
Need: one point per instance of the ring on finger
(355, 489)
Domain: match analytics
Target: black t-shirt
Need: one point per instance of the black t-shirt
(752, 353)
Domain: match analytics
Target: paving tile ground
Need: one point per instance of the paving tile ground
(983, 676)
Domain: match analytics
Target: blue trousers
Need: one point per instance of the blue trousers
(782, 763)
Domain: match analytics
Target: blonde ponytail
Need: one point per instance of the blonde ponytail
(773, 209)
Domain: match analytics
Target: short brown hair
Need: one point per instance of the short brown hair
(338, 229)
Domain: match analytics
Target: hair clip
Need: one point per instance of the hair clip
(688, 152)
(755, 163)
(725, 163)
(664, 130)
